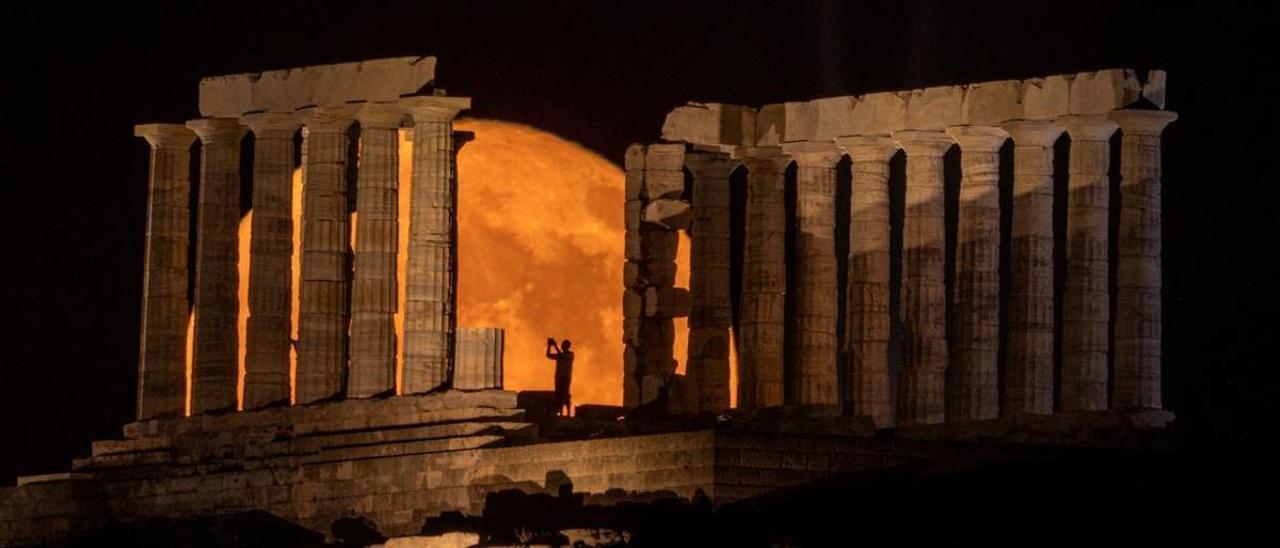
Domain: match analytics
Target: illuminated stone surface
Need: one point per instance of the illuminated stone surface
(1029, 364)
(976, 313)
(268, 338)
(163, 348)
(315, 86)
(923, 294)
(868, 381)
(430, 292)
(1086, 306)
(816, 298)
(764, 279)
(710, 312)
(326, 268)
(215, 353)
(373, 286)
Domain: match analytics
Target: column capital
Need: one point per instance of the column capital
(434, 108)
(861, 148)
(1142, 122)
(819, 154)
(217, 130)
(1033, 132)
(923, 143)
(381, 115)
(708, 165)
(327, 119)
(279, 124)
(1088, 127)
(978, 138)
(755, 157)
(165, 135)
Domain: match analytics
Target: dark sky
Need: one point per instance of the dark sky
(602, 74)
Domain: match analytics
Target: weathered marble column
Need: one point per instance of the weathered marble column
(764, 279)
(162, 351)
(1028, 371)
(1086, 306)
(1138, 304)
(710, 313)
(215, 360)
(430, 294)
(373, 291)
(975, 349)
(867, 388)
(268, 336)
(326, 263)
(817, 294)
(923, 288)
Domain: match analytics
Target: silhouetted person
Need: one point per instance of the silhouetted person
(564, 372)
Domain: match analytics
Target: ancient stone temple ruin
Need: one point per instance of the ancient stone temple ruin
(814, 329)
(861, 346)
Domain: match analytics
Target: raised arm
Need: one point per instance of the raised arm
(551, 345)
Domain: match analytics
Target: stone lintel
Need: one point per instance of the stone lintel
(328, 118)
(714, 124)
(318, 85)
(935, 108)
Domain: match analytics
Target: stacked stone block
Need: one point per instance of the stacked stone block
(654, 183)
(710, 312)
(478, 355)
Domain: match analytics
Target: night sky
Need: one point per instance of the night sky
(603, 74)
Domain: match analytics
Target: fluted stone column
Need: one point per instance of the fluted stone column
(923, 288)
(1028, 371)
(430, 294)
(162, 351)
(268, 338)
(1138, 304)
(1086, 305)
(373, 292)
(710, 313)
(326, 266)
(215, 360)
(975, 350)
(868, 282)
(764, 279)
(817, 294)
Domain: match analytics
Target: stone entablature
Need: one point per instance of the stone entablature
(287, 90)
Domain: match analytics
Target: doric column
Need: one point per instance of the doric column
(764, 279)
(373, 291)
(817, 303)
(923, 289)
(215, 360)
(326, 266)
(1086, 305)
(268, 337)
(1028, 372)
(1138, 305)
(975, 391)
(430, 294)
(710, 313)
(867, 388)
(163, 349)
